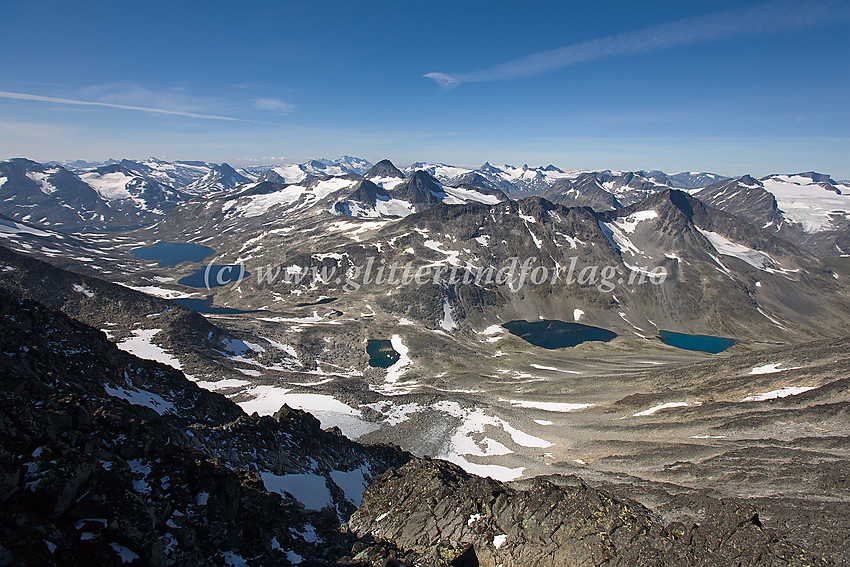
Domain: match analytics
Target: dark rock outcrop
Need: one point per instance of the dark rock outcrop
(443, 516)
(109, 459)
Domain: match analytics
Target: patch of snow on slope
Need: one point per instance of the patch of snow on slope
(447, 323)
(327, 409)
(391, 385)
(396, 414)
(266, 399)
(463, 443)
(40, 179)
(324, 188)
(237, 346)
(668, 405)
(726, 247)
(469, 195)
(618, 239)
(233, 559)
(222, 384)
(452, 256)
(165, 293)
(494, 333)
(141, 345)
(320, 403)
(541, 367)
(140, 397)
(629, 223)
(537, 241)
(771, 368)
(284, 347)
(386, 182)
(257, 205)
(549, 406)
(126, 555)
(110, 186)
(780, 393)
(393, 208)
(290, 173)
(80, 289)
(352, 483)
(309, 489)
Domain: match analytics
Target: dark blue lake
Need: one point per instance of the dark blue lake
(206, 306)
(170, 254)
(215, 275)
(552, 333)
(701, 343)
(381, 353)
(323, 301)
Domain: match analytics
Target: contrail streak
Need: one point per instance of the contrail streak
(758, 20)
(59, 100)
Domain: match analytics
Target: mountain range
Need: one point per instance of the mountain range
(808, 209)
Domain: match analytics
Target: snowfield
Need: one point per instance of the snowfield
(805, 202)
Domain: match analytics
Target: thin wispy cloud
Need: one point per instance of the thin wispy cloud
(70, 101)
(274, 105)
(763, 19)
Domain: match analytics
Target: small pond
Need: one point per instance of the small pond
(381, 353)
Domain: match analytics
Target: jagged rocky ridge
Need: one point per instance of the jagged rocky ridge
(385, 192)
(449, 517)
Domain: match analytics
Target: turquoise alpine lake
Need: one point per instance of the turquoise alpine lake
(381, 353)
(170, 254)
(701, 343)
(552, 333)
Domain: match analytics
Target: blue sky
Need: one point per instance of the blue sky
(729, 87)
